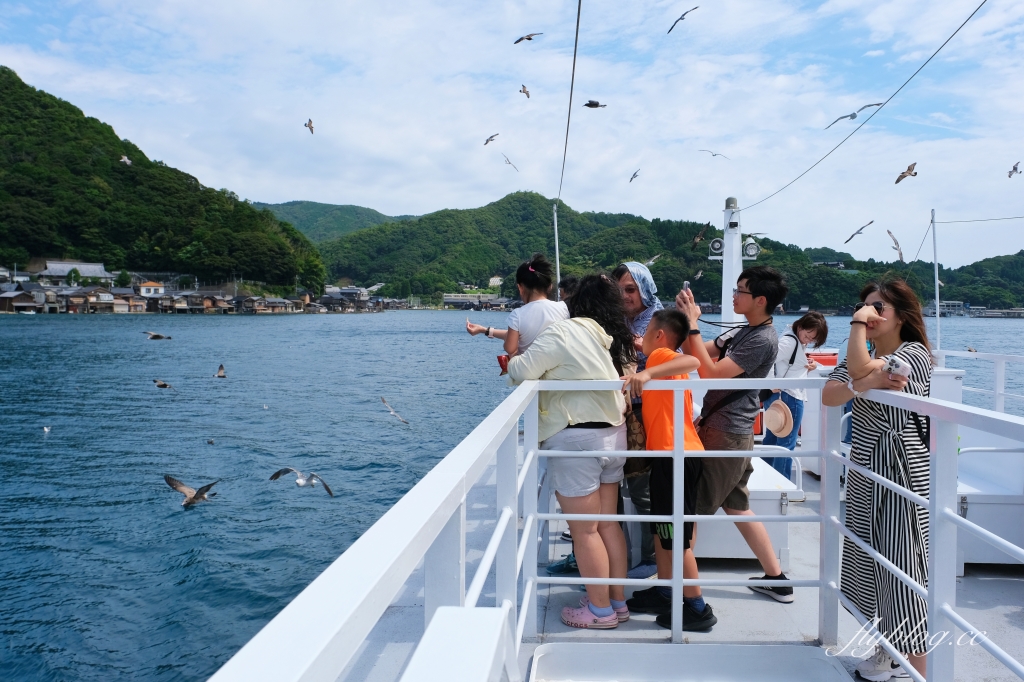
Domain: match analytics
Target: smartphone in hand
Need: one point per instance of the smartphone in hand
(686, 286)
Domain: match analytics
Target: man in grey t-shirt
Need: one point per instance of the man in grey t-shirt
(727, 417)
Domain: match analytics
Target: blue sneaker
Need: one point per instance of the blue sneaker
(642, 571)
(564, 566)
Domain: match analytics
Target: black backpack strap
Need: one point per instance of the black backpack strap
(727, 400)
(792, 358)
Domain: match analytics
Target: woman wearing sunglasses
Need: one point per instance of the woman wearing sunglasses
(893, 444)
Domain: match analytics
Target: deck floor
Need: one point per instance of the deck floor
(989, 596)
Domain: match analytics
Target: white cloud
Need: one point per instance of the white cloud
(403, 96)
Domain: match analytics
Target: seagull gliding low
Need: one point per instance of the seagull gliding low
(856, 233)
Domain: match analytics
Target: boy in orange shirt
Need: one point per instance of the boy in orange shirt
(667, 331)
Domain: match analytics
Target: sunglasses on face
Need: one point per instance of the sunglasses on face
(877, 305)
(629, 289)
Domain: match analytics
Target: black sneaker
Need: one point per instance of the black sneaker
(782, 593)
(692, 621)
(649, 601)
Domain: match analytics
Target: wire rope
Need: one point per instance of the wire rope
(572, 85)
(872, 113)
(977, 220)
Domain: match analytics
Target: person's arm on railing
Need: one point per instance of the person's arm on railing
(633, 384)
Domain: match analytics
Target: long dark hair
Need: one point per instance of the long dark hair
(599, 298)
(536, 274)
(902, 298)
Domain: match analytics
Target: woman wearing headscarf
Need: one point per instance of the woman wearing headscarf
(639, 303)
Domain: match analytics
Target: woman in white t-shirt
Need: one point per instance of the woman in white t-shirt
(533, 279)
(792, 363)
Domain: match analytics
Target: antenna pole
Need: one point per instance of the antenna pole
(558, 266)
(938, 310)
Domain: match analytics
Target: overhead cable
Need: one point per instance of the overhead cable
(572, 83)
(872, 114)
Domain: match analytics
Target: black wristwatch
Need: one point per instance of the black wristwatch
(488, 333)
(694, 331)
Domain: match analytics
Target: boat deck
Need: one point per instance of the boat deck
(989, 596)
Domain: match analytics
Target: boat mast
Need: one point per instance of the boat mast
(938, 310)
(732, 259)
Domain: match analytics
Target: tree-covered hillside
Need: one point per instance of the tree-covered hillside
(64, 193)
(430, 255)
(320, 222)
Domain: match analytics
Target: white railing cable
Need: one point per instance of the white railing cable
(986, 643)
(874, 554)
(875, 635)
(984, 535)
(524, 615)
(880, 480)
(477, 586)
(527, 462)
(527, 540)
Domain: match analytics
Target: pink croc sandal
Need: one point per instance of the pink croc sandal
(583, 617)
(622, 613)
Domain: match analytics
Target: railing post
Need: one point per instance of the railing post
(828, 559)
(444, 566)
(505, 570)
(529, 609)
(1000, 387)
(941, 550)
(678, 509)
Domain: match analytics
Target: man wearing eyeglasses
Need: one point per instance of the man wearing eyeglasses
(727, 417)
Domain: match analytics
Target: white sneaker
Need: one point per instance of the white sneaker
(880, 667)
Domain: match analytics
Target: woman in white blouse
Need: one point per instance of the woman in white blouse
(792, 363)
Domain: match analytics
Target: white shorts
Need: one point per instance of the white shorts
(581, 476)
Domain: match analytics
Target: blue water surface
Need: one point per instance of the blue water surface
(104, 575)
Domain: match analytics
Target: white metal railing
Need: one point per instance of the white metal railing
(332, 616)
(999, 362)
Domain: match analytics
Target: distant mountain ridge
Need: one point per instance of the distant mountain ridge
(320, 222)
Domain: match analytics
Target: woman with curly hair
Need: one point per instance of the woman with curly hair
(594, 343)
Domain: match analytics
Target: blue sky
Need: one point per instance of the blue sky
(403, 94)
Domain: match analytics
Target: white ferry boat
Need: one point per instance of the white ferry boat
(449, 585)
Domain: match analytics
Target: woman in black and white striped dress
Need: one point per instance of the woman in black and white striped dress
(891, 443)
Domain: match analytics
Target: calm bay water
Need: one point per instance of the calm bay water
(104, 575)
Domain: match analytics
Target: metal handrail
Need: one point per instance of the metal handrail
(477, 586)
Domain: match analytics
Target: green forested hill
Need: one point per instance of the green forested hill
(321, 222)
(430, 255)
(63, 193)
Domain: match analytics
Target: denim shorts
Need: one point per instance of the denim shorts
(581, 476)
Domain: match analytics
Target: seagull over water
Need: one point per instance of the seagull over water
(1014, 170)
(896, 248)
(525, 92)
(46, 429)
(191, 496)
(528, 36)
(490, 139)
(853, 115)
(680, 19)
(301, 479)
(509, 162)
(635, 175)
(856, 233)
(909, 173)
(125, 160)
(594, 104)
(163, 384)
(309, 124)
(971, 350)
(392, 410)
(153, 336)
(220, 373)
(714, 153)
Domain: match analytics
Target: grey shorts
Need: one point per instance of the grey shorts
(581, 476)
(724, 481)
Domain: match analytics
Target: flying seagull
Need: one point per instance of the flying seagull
(209, 442)
(698, 238)
(714, 153)
(301, 479)
(700, 273)
(971, 350)
(528, 36)
(896, 248)
(153, 336)
(163, 384)
(680, 19)
(635, 175)
(856, 233)
(220, 373)
(392, 410)
(490, 139)
(309, 124)
(909, 173)
(46, 429)
(525, 92)
(191, 496)
(594, 104)
(125, 160)
(853, 115)
(651, 262)
(265, 406)
(509, 162)
(1014, 170)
